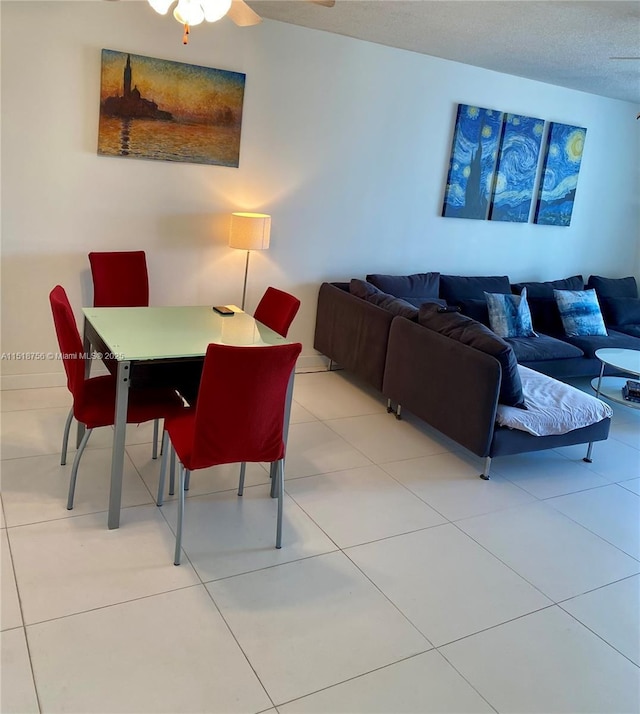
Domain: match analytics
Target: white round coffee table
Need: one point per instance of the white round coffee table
(611, 387)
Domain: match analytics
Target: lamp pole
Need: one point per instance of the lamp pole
(246, 273)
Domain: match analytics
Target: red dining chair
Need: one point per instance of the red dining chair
(94, 399)
(238, 417)
(276, 310)
(121, 279)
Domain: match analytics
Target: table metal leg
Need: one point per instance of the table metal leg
(117, 452)
(273, 470)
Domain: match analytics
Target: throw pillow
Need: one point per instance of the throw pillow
(509, 315)
(580, 312)
(472, 333)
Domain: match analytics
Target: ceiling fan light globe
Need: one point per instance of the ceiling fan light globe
(189, 12)
(215, 10)
(161, 6)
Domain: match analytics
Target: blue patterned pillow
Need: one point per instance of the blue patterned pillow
(580, 312)
(509, 315)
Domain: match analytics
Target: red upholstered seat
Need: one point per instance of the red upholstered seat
(120, 278)
(276, 310)
(94, 398)
(238, 417)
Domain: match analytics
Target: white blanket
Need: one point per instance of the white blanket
(553, 407)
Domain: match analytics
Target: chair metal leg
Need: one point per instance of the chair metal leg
(487, 467)
(243, 468)
(163, 469)
(154, 448)
(280, 479)
(187, 480)
(183, 473)
(65, 438)
(172, 471)
(74, 468)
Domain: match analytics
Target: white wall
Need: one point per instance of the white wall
(345, 143)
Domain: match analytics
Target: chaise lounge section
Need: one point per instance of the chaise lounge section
(455, 387)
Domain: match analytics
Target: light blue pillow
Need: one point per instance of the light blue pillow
(509, 315)
(580, 312)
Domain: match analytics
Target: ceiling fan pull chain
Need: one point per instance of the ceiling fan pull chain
(185, 37)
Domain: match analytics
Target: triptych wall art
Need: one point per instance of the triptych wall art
(495, 168)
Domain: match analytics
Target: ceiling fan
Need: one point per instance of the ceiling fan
(193, 12)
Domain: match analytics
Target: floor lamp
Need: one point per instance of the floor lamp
(249, 231)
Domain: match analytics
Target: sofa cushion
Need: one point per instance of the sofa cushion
(545, 289)
(545, 315)
(615, 340)
(415, 289)
(476, 309)
(509, 315)
(620, 310)
(462, 287)
(394, 305)
(469, 332)
(542, 347)
(633, 330)
(613, 287)
(580, 312)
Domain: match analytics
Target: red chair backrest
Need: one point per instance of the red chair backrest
(241, 402)
(120, 279)
(276, 310)
(69, 340)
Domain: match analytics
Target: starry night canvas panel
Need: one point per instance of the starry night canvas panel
(169, 111)
(560, 170)
(473, 159)
(517, 168)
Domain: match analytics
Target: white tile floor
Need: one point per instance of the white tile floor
(405, 582)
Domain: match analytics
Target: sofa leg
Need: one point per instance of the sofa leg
(399, 412)
(487, 467)
(588, 458)
(389, 406)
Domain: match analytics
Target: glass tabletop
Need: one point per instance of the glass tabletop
(627, 360)
(148, 333)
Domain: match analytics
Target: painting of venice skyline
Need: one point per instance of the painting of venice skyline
(560, 174)
(169, 111)
(473, 159)
(516, 170)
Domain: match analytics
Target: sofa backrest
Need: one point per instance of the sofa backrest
(353, 332)
(452, 386)
(542, 304)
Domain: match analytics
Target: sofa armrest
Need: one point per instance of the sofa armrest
(352, 332)
(452, 387)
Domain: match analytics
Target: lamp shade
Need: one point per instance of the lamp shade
(250, 231)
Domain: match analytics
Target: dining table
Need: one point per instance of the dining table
(147, 346)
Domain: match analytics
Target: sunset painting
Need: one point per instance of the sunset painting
(560, 174)
(169, 111)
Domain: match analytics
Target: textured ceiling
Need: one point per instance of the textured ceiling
(564, 42)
